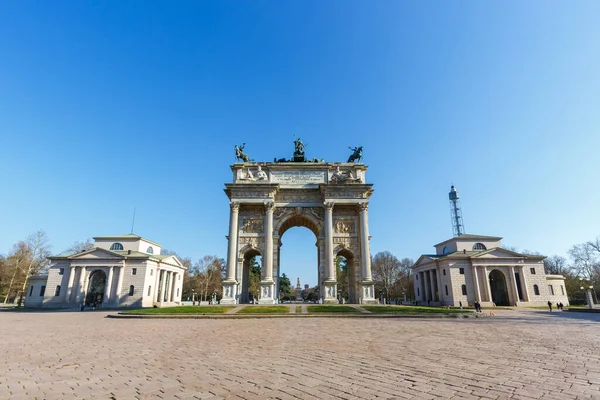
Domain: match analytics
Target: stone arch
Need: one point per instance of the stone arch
(298, 219)
(353, 276)
(498, 287)
(96, 286)
(246, 254)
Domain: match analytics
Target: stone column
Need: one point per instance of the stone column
(81, 294)
(365, 252)
(169, 286)
(174, 287)
(513, 283)
(162, 287)
(119, 288)
(486, 282)
(425, 287)
(71, 282)
(476, 284)
(524, 285)
(330, 295)
(439, 284)
(229, 284)
(156, 283)
(267, 285)
(108, 285)
(86, 282)
(432, 283)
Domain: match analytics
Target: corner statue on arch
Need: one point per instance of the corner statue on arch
(329, 198)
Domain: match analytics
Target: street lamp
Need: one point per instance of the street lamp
(193, 298)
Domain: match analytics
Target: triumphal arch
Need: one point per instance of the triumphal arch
(268, 198)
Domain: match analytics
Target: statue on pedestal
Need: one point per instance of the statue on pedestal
(356, 155)
(239, 153)
(299, 150)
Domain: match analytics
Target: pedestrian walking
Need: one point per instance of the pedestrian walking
(550, 305)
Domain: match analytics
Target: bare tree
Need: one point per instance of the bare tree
(385, 267)
(80, 247)
(556, 265)
(585, 261)
(17, 258)
(208, 270)
(39, 251)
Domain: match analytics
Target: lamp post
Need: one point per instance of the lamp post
(193, 298)
(588, 292)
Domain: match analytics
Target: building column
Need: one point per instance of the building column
(425, 287)
(365, 252)
(108, 285)
(486, 282)
(156, 283)
(524, 285)
(71, 282)
(230, 284)
(174, 286)
(267, 285)
(86, 282)
(81, 293)
(439, 284)
(119, 288)
(513, 283)
(161, 299)
(169, 286)
(476, 284)
(432, 283)
(330, 295)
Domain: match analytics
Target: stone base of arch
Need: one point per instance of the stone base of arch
(368, 293)
(267, 288)
(330, 293)
(229, 292)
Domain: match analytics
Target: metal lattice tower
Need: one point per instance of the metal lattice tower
(458, 227)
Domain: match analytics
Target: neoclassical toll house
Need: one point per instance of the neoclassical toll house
(121, 271)
(330, 199)
(470, 268)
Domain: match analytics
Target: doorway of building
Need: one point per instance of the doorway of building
(97, 283)
(498, 288)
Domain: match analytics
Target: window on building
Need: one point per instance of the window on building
(150, 250)
(462, 271)
(30, 290)
(417, 276)
(446, 290)
(444, 271)
(116, 246)
(464, 290)
(562, 289)
(177, 292)
(43, 290)
(61, 271)
(418, 292)
(57, 291)
(532, 270)
(551, 290)
(131, 290)
(445, 250)
(479, 246)
(133, 271)
(179, 276)
(149, 288)
(536, 290)
(151, 272)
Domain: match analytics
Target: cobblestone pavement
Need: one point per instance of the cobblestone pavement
(515, 354)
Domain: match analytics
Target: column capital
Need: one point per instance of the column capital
(364, 206)
(235, 206)
(269, 205)
(328, 205)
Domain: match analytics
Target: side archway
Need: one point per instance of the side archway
(498, 288)
(347, 278)
(248, 293)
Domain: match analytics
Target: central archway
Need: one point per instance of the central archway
(297, 220)
(96, 285)
(498, 288)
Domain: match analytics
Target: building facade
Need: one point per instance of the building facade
(471, 268)
(120, 271)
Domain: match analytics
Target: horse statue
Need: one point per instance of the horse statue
(239, 153)
(356, 155)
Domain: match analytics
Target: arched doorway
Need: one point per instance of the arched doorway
(300, 263)
(498, 288)
(251, 276)
(96, 286)
(346, 276)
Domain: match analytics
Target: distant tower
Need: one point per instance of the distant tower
(458, 227)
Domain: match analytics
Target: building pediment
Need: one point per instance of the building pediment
(173, 260)
(424, 260)
(499, 252)
(96, 254)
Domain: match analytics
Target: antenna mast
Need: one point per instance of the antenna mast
(458, 226)
(133, 220)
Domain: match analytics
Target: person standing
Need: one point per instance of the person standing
(550, 305)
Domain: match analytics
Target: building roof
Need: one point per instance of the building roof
(121, 254)
(127, 236)
(475, 254)
(468, 236)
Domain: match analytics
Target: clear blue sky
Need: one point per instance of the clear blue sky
(109, 105)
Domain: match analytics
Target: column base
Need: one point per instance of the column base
(266, 292)
(330, 293)
(368, 293)
(229, 292)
